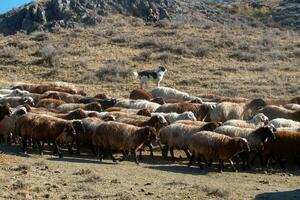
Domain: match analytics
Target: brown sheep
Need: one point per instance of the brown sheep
(295, 100)
(201, 111)
(75, 114)
(49, 103)
(140, 94)
(101, 96)
(284, 148)
(217, 98)
(144, 112)
(227, 110)
(4, 111)
(45, 128)
(156, 122)
(215, 146)
(124, 137)
(66, 97)
(158, 100)
(273, 112)
(42, 88)
(72, 106)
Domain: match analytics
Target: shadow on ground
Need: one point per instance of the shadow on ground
(287, 195)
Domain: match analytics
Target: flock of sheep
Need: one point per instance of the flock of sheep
(208, 128)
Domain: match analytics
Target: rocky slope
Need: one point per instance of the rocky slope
(50, 14)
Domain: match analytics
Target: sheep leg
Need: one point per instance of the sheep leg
(92, 149)
(192, 158)
(24, 142)
(188, 155)
(57, 149)
(209, 163)
(172, 154)
(100, 153)
(41, 145)
(158, 84)
(125, 153)
(111, 155)
(135, 157)
(151, 149)
(165, 151)
(141, 153)
(221, 165)
(232, 166)
(200, 163)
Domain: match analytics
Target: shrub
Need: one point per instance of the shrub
(202, 51)
(113, 71)
(39, 36)
(277, 55)
(243, 56)
(8, 52)
(144, 56)
(166, 57)
(50, 55)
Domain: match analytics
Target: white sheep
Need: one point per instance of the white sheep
(173, 117)
(13, 92)
(137, 104)
(285, 123)
(170, 93)
(257, 121)
(176, 136)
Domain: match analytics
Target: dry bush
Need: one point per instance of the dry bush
(123, 38)
(92, 179)
(243, 56)
(49, 55)
(8, 52)
(164, 23)
(82, 172)
(144, 56)
(19, 185)
(148, 43)
(225, 41)
(114, 71)
(39, 36)
(165, 57)
(296, 53)
(202, 51)
(216, 192)
(83, 62)
(277, 55)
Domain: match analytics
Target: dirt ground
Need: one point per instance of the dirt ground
(39, 177)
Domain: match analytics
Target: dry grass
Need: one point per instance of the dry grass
(197, 58)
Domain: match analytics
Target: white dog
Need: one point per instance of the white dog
(147, 75)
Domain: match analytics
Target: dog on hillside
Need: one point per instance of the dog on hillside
(155, 75)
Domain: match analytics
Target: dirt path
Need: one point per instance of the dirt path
(37, 177)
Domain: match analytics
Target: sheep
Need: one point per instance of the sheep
(255, 137)
(72, 106)
(4, 111)
(196, 123)
(200, 111)
(227, 110)
(286, 123)
(257, 121)
(215, 146)
(7, 124)
(15, 92)
(105, 103)
(16, 101)
(49, 103)
(273, 112)
(170, 93)
(90, 125)
(66, 97)
(140, 94)
(176, 136)
(216, 98)
(292, 106)
(101, 96)
(41, 88)
(157, 122)
(284, 148)
(137, 104)
(75, 114)
(34, 96)
(173, 117)
(124, 137)
(42, 128)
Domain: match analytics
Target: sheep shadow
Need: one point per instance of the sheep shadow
(80, 159)
(288, 195)
(180, 169)
(13, 151)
